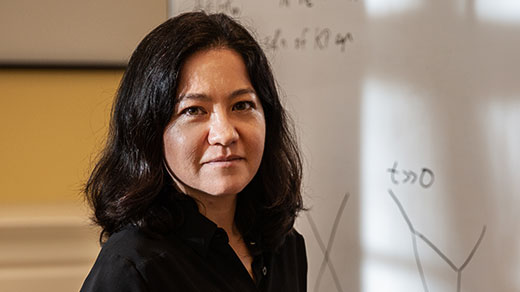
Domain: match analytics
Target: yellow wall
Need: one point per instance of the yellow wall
(52, 123)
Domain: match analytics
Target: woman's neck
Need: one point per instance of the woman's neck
(220, 210)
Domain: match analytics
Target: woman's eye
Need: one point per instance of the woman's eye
(193, 111)
(243, 105)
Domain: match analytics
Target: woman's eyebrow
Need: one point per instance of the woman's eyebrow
(194, 96)
(242, 91)
(204, 97)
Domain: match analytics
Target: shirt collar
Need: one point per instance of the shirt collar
(197, 230)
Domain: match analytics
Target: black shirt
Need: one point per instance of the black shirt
(195, 258)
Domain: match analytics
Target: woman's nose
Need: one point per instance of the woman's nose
(222, 131)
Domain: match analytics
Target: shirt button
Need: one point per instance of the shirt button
(264, 270)
(252, 243)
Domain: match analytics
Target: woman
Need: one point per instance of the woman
(199, 184)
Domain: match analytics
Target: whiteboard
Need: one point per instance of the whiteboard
(408, 114)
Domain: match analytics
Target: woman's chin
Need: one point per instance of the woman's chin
(215, 190)
(225, 190)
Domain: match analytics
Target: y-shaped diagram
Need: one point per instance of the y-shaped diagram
(326, 250)
(415, 233)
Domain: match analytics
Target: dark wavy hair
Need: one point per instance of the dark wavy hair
(130, 183)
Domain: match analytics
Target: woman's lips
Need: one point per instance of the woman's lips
(224, 160)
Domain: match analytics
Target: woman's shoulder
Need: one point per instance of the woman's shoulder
(293, 245)
(289, 263)
(128, 259)
(116, 267)
(293, 237)
(135, 245)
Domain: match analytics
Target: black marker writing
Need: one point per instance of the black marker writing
(306, 3)
(341, 40)
(287, 3)
(301, 41)
(426, 177)
(416, 234)
(326, 250)
(219, 6)
(322, 39)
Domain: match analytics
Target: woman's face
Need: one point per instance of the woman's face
(215, 139)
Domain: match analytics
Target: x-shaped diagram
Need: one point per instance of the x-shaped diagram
(326, 250)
